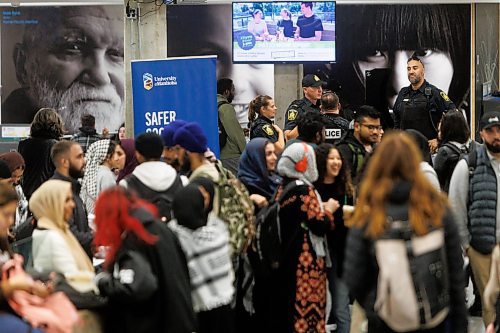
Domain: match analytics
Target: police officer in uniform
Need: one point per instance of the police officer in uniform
(421, 105)
(335, 125)
(312, 88)
(260, 112)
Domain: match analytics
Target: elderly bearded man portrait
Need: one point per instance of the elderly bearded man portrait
(71, 60)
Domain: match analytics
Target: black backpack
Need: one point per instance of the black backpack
(162, 200)
(222, 130)
(268, 232)
(455, 154)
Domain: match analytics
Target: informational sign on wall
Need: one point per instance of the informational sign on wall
(176, 88)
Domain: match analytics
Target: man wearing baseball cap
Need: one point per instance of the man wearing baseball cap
(473, 195)
(312, 87)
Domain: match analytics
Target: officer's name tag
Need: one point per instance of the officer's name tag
(333, 133)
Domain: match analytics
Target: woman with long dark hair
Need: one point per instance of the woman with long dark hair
(46, 129)
(334, 181)
(397, 203)
(454, 141)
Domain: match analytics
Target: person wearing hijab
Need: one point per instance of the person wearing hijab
(102, 157)
(205, 241)
(146, 278)
(128, 147)
(15, 162)
(55, 248)
(296, 300)
(257, 167)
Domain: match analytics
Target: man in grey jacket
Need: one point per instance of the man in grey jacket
(474, 199)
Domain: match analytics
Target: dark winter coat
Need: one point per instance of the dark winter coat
(159, 298)
(361, 269)
(39, 166)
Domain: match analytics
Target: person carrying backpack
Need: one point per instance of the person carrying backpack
(231, 135)
(295, 300)
(403, 260)
(153, 180)
(455, 143)
(358, 143)
(474, 189)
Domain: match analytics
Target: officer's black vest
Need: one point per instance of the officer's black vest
(333, 129)
(415, 113)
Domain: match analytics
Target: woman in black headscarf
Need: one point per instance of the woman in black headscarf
(205, 241)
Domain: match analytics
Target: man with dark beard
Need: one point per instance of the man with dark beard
(421, 105)
(69, 160)
(357, 145)
(473, 194)
(72, 61)
(235, 143)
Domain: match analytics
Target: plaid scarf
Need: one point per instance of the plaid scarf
(95, 156)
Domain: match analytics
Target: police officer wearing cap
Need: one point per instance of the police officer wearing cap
(312, 87)
(335, 125)
(260, 112)
(421, 105)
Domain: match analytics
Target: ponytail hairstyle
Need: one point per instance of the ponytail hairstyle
(256, 104)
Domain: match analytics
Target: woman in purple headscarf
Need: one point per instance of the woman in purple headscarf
(128, 146)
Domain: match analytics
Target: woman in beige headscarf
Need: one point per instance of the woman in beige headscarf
(54, 246)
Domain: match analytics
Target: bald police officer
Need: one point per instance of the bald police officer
(421, 105)
(335, 125)
(312, 88)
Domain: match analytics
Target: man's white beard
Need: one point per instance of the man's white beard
(103, 103)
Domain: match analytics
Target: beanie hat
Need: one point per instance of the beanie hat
(4, 171)
(169, 130)
(149, 145)
(298, 161)
(191, 138)
(13, 159)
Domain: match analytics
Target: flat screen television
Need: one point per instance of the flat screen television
(283, 32)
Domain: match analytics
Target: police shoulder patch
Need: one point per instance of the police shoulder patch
(292, 114)
(444, 96)
(268, 129)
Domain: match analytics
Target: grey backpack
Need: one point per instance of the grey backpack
(413, 282)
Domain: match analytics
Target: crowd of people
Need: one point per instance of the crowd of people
(328, 225)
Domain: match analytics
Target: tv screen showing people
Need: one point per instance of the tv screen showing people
(283, 32)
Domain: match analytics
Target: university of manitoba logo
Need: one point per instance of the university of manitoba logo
(147, 79)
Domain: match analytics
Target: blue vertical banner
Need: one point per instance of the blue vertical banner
(176, 88)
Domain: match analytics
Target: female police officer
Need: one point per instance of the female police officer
(260, 112)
